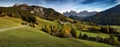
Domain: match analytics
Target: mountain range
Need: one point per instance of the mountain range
(108, 17)
(84, 13)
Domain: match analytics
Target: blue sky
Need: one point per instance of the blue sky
(67, 5)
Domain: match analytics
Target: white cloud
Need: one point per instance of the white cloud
(75, 5)
(118, 1)
(66, 6)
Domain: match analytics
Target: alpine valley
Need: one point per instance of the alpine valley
(26, 25)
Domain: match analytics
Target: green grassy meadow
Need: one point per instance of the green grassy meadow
(34, 37)
(6, 22)
(95, 34)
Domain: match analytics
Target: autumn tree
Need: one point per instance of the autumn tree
(55, 30)
(47, 29)
(64, 33)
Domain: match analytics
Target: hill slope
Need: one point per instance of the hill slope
(107, 17)
(33, 37)
(29, 37)
(42, 12)
(17, 13)
(7, 22)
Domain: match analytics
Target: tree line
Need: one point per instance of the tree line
(95, 29)
(66, 31)
(59, 31)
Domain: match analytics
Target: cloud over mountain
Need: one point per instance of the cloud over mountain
(67, 5)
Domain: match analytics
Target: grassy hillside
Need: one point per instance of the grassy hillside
(45, 22)
(6, 22)
(18, 13)
(108, 17)
(95, 34)
(32, 37)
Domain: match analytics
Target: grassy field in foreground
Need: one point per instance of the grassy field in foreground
(32, 37)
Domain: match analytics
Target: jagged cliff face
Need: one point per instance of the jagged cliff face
(22, 6)
(46, 13)
(32, 9)
(39, 11)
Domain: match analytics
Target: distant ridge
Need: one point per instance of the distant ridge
(107, 17)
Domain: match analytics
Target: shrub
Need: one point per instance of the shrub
(111, 40)
(99, 39)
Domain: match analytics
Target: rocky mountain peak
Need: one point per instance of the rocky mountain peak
(16, 5)
(83, 13)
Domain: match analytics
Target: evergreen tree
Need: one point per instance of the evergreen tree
(74, 33)
(118, 37)
(80, 35)
(112, 30)
(85, 36)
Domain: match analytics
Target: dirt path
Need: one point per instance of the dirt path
(5, 29)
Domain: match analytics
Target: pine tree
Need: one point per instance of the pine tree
(74, 33)
(118, 37)
(85, 36)
(80, 35)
